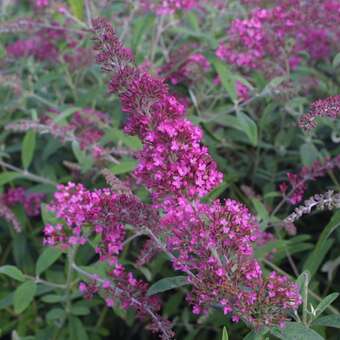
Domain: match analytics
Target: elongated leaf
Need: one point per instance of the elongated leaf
(77, 329)
(77, 8)
(248, 126)
(316, 257)
(336, 60)
(296, 331)
(46, 259)
(227, 79)
(28, 147)
(23, 296)
(225, 334)
(309, 153)
(12, 272)
(8, 176)
(55, 314)
(328, 321)
(328, 300)
(124, 167)
(167, 284)
(65, 114)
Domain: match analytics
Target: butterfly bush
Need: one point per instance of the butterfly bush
(281, 31)
(86, 128)
(184, 66)
(212, 243)
(329, 107)
(298, 182)
(43, 43)
(30, 201)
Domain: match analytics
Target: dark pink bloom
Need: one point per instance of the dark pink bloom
(329, 107)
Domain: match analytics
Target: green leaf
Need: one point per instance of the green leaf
(85, 161)
(308, 153)
(47, 216)
(328, 321)
(141, 26)
(118, 135)
(23, 296)
(28, 147)
(46, 259)
(62, 117)
(248, 126)
(316, 257)
(8, 176)
(12, 272)
(296, 331)
(77, 8)
(124, 167)
(261, 210)
(76, 329)
(336, 60)
(52, 298)
(216, 192)
(55, 314)
(80, 310)
(225, 334)
(327, 301)
(227, 78)
(262, 251)
(167, 284)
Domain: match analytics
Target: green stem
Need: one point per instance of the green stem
(27, 174)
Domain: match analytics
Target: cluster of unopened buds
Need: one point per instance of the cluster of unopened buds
(86, 128)
(212, 243)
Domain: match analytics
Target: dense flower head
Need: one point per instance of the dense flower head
(329, 107)
(173, 162)
(281, 31)
(214, 242)
(99, 212)
(42, 46)
(298, 181)
(18, 195)
(185, 66)
(173, 159)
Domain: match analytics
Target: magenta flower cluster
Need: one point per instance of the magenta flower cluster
(173, 161)
(102, 214)
(184, 66)
(329, 107)
(281, 32)
(214, 242)
(30, 201)
(211, 242)
(42, 46)
(298, 182)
